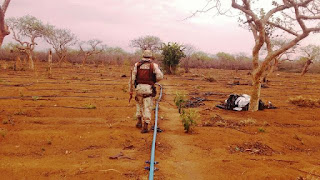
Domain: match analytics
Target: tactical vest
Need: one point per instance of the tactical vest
(145, 76)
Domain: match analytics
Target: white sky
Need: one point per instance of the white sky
(116, 22)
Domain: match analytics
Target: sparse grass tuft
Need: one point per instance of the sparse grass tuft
(248, 122)
(20, 113)
(90, 106)
(305, 102)
(85, 91)
(5, 121)
(35, 98)
(189, 119)
(221, 123)
(124, 89)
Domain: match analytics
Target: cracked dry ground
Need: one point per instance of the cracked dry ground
(78, 125)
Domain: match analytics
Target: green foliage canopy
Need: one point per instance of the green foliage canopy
(171, 53)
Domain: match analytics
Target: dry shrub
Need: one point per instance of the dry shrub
(255, 148)
(305, 102)
(210, 79)
(247, 122)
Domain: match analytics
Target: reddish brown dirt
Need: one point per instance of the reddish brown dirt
(47, 129)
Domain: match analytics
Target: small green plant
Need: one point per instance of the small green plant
(179, 100)
(262, 130)
(189, 118)
(5, 121)
(85, 91)
(35, 98)
(90, 106)
(21, 94)
(3, 132)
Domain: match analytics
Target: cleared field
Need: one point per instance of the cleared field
(78, 125)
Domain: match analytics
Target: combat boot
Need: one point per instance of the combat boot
(139, 123)
(145, 128)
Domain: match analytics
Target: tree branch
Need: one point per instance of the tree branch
(283, 28)
(5, 6)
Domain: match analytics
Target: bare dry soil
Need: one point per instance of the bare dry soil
(79, 125)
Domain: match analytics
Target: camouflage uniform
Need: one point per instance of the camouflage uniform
(143, 90)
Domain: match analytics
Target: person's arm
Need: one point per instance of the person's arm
(132, 78)
(157, 71)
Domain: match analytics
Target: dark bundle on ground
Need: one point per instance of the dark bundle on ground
(195, 102)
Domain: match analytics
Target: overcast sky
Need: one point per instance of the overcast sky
(116, 22)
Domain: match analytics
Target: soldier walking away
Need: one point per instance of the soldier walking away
(143, 77)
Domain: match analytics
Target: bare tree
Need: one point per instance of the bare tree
(25, 31)
(94, 46)
(147, 42)
(296, 19)
(311, 53)
(4, 30)
(188, 50)
(60, 40)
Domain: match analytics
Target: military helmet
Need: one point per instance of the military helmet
(147, 54)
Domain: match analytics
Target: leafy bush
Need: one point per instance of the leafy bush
(189, 118)
(171, 53)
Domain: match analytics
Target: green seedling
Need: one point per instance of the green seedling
(262, 130)
(179, 100)
(35, 98)
(189, 118)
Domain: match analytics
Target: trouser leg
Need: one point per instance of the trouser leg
(147, 109)
(139, 106)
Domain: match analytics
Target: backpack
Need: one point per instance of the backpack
(231, 101)
(145, 76)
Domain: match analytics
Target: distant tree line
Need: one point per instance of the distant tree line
(27, 31)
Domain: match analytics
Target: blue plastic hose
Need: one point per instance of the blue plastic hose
(152, 162)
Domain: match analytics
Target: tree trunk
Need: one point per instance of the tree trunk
(18, 63)
(255, 94)
(186, 69)
(30, 60)
(306, 67)
(1, 39)
(50, 64)
(84, 60)
(4, 31)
